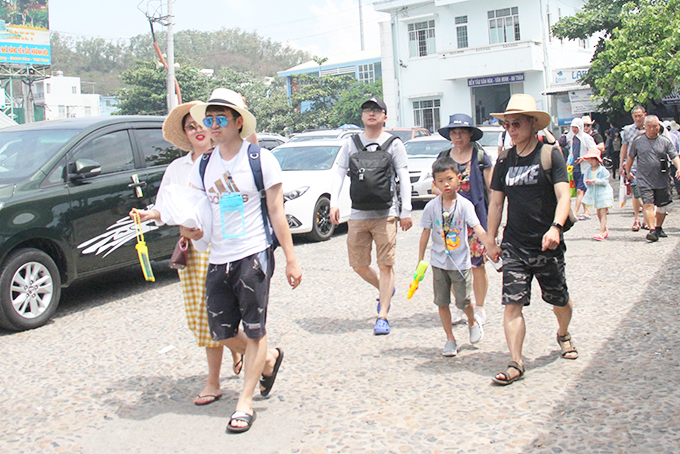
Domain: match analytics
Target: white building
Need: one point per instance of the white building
(60, 96)
(441, 57)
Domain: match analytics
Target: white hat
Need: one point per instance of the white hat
(674, 125)
(227, 98)
(586, 120)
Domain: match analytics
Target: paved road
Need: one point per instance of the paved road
(95, 380)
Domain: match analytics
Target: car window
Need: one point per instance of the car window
(22, 153)
(403, 135)
(489, 139)
(305, 138)
(269, 143)
(421, 133)
(112, 151)
(306, 158)
(426, 148)
(155, 149)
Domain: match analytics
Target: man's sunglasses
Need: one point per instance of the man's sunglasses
(221, 121)
(514, 124)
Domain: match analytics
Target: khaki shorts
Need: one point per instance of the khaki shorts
(361, 235)
(462, 286)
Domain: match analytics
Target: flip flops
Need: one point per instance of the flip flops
(583, 217)
(599, 237)
(507, 380)
(267, 382)
(636, 226)
(237, 366)
(241, 416)
(210, 399)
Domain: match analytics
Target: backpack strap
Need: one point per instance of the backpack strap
(546, 161)
(357, 142)
(388, 142)
(203, 164)
(256, 168)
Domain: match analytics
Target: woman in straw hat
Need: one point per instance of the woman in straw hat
(476, 178)
(180, 129)
(538, 205)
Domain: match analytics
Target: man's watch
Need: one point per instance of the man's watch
(559, 226)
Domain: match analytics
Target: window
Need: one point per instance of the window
(367, 73)
(74, 90)
(156, 150)
(421, 38)
(426, 114)
(462, 31)
(112, 151)
(503, 25)
(62, 111)
(88, 111)
(48, 89)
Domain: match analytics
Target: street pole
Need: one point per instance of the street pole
(172, 97)
(361, 25)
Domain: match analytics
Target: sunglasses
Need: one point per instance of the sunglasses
(192, 127)
(513, 124)
(221, 121)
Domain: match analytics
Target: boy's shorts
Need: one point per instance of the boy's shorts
(519, 268)
(462, 286)
(658, 197)
(360, 236)
(242, 294)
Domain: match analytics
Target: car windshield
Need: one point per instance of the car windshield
(489, 139)
(404, 135)
(306, 157)
(321, 136)
(426, 148)
(24, 152)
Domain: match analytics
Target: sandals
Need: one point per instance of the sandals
(583, 217)
(241, 416)
(508, 379)
(567, 346)
(207, 399)
(268, 382)
(237, 366)
(599, 238)
(636, 226)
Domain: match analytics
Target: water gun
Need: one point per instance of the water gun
(417, 277)
(142, 250)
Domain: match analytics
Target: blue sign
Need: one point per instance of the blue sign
(496, 80)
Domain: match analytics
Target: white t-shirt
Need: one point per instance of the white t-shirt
(463, 214)
(399, 161)
(252, 238)
(504, 143)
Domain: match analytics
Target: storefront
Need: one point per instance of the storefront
(571, 99)
(491, 94)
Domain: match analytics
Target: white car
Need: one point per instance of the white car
(325, 134)
(489, 140)
(422, 152)
(307, 176)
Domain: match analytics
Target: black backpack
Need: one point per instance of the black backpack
(371, 176)
(256, 168)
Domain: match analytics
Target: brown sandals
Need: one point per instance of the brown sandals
(567, 346)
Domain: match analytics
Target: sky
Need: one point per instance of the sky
(321, 27)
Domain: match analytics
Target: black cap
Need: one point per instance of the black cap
(375, 100)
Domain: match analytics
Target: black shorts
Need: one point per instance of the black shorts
(239, 295)
(520, 267)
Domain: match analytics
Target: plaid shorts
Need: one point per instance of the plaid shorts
(519, 268)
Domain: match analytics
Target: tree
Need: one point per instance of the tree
(640, 63)
(347, 110)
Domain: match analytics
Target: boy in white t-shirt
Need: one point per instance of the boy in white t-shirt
(446, 219)
(241, 258)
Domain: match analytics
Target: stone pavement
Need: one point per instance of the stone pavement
(96, 380)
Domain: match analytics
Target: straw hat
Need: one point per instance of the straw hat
(460, 120)
(173, 130)
(227, 98)
(586, 120)
(593, 153)
(674, 125)
(525, 104)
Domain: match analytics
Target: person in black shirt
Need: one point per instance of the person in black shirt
(533, 246)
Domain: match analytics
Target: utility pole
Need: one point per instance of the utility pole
(361, 25)
(172, 97)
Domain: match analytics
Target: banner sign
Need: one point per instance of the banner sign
(581, 102)
(24, 33)
(496, 80)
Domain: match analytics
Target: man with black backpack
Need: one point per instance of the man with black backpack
(374, 159)
(244, 186)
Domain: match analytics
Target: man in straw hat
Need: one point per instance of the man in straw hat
(538, 206)
(241, 258)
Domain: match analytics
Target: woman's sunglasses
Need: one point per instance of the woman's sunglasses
(221, 121)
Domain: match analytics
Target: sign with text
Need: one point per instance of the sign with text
(581, 102)
(496, 80)
(24, 33)
(568, 76)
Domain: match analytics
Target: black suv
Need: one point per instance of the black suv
(66, 187)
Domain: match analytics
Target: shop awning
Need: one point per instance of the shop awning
(565, 88)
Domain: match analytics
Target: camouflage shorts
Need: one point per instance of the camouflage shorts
(521, 266)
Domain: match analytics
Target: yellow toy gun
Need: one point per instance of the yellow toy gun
(142, 250)
(417, 277)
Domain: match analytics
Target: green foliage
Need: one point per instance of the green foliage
(347, 109)
(640, 63)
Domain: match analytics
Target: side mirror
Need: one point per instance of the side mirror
(83, 168)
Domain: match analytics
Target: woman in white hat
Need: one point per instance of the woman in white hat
(180, 129)
(579, 142)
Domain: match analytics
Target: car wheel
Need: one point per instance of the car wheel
(323, 228)
(30, 287)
